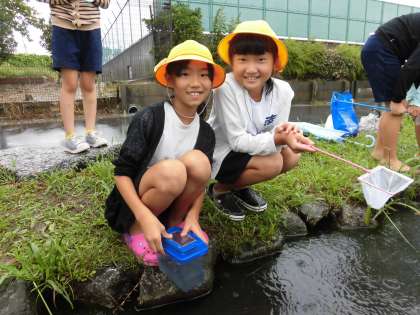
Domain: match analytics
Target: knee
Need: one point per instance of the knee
(87, 86)
(273, 166)
(291, 161)
(171, 177)
(197, 165)
(69, 86)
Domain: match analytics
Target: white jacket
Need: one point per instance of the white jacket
(229, 119)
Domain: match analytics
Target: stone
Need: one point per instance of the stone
(16, 298)
(157, 290)
(353, 217)
(26, 162)
(293, 226)
(251, 252)
(108, 288)
(313, 213)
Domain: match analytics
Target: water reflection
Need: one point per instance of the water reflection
(352, 272)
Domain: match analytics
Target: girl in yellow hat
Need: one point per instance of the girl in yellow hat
(254, 141)
(164, 164)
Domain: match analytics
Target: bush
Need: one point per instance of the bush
(316, 60)
(27, 60)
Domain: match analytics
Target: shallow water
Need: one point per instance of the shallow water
(114, 129)
(352, 272)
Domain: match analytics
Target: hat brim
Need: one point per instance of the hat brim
(282, 54)
(160, 70)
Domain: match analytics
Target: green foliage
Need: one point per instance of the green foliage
(27, 65)
(15, 15)
(315, 60)
(173, 26)
(219, 30)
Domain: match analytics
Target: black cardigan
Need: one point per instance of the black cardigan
(402, 36)
(143, 137)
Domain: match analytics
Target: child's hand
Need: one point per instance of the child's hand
(299, 143)
(192, 224)
(153, 231)
(414, 110)
(286, 127)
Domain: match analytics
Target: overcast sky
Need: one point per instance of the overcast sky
(33, 47)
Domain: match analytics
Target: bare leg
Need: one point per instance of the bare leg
(88, 87)
(160, 186)
(389, 129)
(198, 173)
(69, 79)
(258, 169)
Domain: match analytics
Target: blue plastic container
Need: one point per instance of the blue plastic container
(183, 249)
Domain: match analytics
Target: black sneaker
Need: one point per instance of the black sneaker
(250, 199)
(227, 203)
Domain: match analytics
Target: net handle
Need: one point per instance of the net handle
(341, 159)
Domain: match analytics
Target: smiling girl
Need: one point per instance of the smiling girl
(165, 162)
(254, 142)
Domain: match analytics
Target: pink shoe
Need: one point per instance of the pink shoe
(139, 246)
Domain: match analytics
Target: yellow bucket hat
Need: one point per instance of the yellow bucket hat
(189, 50)
(258, 27)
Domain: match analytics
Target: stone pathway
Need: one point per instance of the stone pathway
(30, 161)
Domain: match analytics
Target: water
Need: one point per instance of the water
(114, 129)
(361, 272)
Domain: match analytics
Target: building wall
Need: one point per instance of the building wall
(335, 20)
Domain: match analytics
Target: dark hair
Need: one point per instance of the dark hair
(253, 44)
(175, 68)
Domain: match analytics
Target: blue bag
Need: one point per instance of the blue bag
(343, 114)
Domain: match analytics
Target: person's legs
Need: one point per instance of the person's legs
(259, 169)
(198, 173)
(290, 159)
(388, 132)
(160, 185)
(69, 78)
(88, 88)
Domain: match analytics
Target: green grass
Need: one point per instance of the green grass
(53, 229)
(10, 71)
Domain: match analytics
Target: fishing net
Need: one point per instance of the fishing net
(380, 184)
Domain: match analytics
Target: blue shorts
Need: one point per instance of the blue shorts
(382, 66)
(77, 50)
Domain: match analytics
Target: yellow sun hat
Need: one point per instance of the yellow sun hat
(258, 27)
(189, 50)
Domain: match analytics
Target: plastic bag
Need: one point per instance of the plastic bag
(343, 114)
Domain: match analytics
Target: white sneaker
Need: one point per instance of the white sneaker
(95, 141)
(75, 145)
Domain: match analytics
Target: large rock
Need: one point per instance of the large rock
(30, 161)
(16, 298)
(157, 290)
(293, 226)
(251, 252)
(313, 213)
(108, 288)
(353, 217)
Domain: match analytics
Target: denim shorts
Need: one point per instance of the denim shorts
(77, 50)
(382, 66)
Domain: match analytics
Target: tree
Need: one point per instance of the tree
(46, 35)
(15, 15)
(172, 26)
(219, 30)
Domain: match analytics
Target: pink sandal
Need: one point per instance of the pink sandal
(139, 246)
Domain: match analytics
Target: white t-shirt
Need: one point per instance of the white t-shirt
(235, 128)
(177, 137)
(261, 116)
